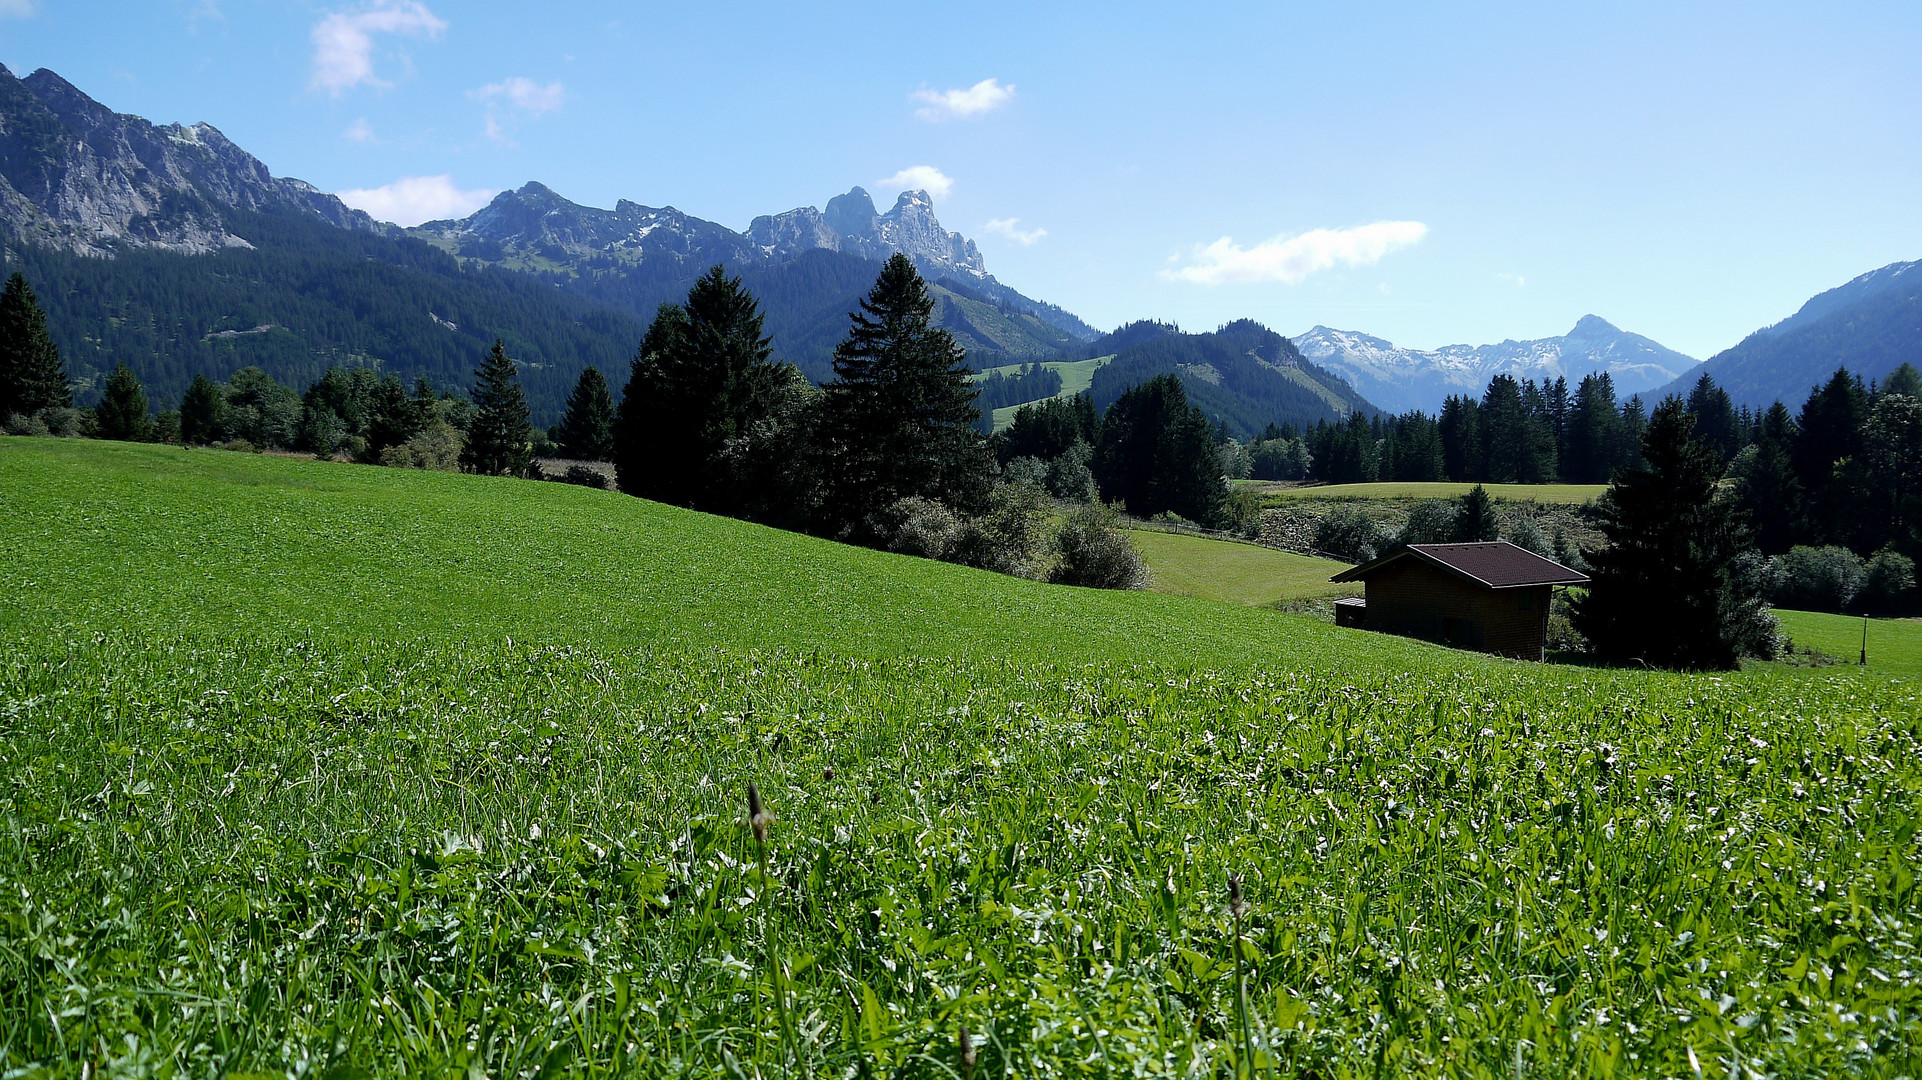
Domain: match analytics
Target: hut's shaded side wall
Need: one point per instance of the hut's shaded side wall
(1411, 598)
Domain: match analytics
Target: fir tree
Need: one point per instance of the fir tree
(586, 432)
(1669, 589)
(500, 441)
(1157, 454)
(122, 412)
(31, 377)
(1715, 421)
(1770, 490)
(700, 391)
(203, 412)
(1475, 518)
(899, 418)
(1461, 439)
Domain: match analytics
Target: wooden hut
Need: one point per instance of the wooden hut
(1491, 597)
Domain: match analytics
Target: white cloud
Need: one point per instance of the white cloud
(919, 178)
(978, 100)
(414, 199)
(344, 41)
(524, 93)
(361, 131)
(1513, 279)
(16, 9)
(1008, 227)
(1290, 260)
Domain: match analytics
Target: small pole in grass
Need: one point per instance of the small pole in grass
(1238, 908)
(966, 1042)
(1865, 641)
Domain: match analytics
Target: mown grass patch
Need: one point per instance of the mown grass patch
(1235, 573)
(277, 797)
(1276, 494)
(1894, 645)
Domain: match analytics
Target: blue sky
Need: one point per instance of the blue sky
(1430, 174)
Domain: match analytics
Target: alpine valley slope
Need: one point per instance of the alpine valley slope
(1399, 379)
(1870, 325)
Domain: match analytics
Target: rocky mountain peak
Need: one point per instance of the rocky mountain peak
(75, 174)
(852, 214)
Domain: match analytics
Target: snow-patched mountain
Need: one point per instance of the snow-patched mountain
(1398, 379)
(78, 176)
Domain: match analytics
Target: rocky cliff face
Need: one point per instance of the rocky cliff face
(535, 223)
(851, 224)
(79, 176)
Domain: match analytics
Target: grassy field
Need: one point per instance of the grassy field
(1233, 573)
(281, 797)
(1895, 645)
(1076, 376)
(1545, 493)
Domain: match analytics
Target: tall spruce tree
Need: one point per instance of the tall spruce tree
(1770, 490)
(31, 376)
(500, 442)
(1669, 588)
(900, 418)
(122, 412)
(1461, 439)
(1715, 420)
(586, 432)
(699, 390)
(203, 411)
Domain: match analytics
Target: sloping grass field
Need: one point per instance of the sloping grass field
(1235, 573)
(322, 770)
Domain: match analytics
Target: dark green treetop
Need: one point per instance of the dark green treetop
(1157, 454)
(1671, 588)
(31, 376)
(122, 412)
(587, 431)
(899, 418)
(1475, 518)
(203, 411)
(500, 441)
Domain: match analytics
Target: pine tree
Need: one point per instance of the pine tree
(500, 441)
(701, 389)
(899, 418)
(202, 411)
(1461, 439)
(1504, 428)
(1157, 454)
(1669, 588)
(1715, 420)
(586, 432)
(1475, 518)
(31, 376)
(122, 412)
(1770, 490)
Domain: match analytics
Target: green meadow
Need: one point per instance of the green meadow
(322, 770)
(1235, 573)
(1277, 494)
(1076, 376)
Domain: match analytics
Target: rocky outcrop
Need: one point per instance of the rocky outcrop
(534, 221)
(851, 224)
(74, 174)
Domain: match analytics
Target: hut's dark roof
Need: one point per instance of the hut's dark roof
(1495, 565)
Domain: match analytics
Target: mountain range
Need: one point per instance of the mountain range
(1870, 325)
(1399, 379)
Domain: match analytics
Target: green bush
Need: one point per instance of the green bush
(1888, 582)
(1817, 578)
(1094, 551)
(1349, 534)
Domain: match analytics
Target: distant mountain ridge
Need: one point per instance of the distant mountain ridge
(78, 176)
(1871, 325)
(1399, 379)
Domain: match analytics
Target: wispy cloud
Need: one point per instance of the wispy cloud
(1290, 259)
(962, 104)
(411, 200)
(344, 41)
(361, 131)
(1010, 228)
(1513, 279)
(919, 178)
(16, 9)
(521, 94)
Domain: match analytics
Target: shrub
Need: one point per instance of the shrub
(1887, 581)
(1527, 535)
(1817, 579)
(1096, 553)
(437, 449)
(26, 424)
(585, 476)
(1241, 512)
(1011, 537)
(1432, 521)
(1025, 470)
(1350, 535)
(923, 527)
